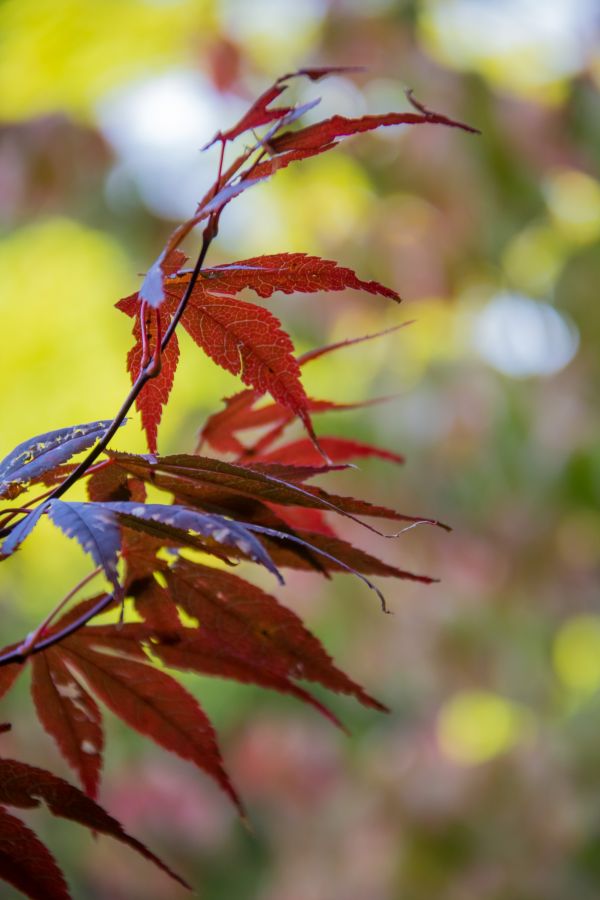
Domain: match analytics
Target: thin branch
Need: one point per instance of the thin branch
(146, 375)
(32, 639)
(18, 656)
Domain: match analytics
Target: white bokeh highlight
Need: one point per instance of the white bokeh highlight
(521, 337)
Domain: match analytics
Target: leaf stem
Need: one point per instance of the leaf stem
(149, 372)
(32, 639)
(18, 656)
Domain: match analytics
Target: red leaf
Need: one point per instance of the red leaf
(154, 704)
(156, 392)
(111, 484)
(198, 477)
(268, 167)
(286, 555)
(80, 609)
(311, 355)
(27, 864)
(258, 114)
(315, 73)
(248, 341)
(256, 628)
(338, 449)
(155, 606)
(240, 414)
(24, 786)
(286, 272)
(139, 552)
(305, 519)
(198, 651)
(70, 715)
(9, 674)
(220, 427)
(323, 133)
(261, 113)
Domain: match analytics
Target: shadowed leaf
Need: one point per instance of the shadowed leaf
(69, 715)
(25, 786)
(154, 704)
(26, 863)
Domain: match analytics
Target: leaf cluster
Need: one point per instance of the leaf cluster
(168, 563)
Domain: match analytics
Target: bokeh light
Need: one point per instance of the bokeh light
(475, 726)
(577, 653)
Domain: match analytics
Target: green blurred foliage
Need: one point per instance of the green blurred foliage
(484, 781)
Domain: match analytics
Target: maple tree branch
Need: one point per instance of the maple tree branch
(150, 371)
(21, 653)
(32, 640)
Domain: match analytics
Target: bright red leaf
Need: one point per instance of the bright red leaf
(286, 272)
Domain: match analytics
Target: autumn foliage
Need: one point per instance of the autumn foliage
(257, 506)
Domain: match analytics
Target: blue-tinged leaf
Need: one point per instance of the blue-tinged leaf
(45, 452)
(284, 536)
(220, 529)
(95, 527)
(151, 289)
(226, 194)
(21, 530)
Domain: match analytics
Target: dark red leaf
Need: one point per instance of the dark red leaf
(109, 483)
(268, 167)
(286, 555)
(80, 609)
(323, 133)
(24, 786)
(9, 674)
(155, 606)
(154, 704)
(27, 864)
(255, 628)
(200, 652)
(193, 476)
(69, 715)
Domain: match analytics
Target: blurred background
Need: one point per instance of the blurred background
(484, 781)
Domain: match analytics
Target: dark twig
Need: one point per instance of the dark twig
(20, 654)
